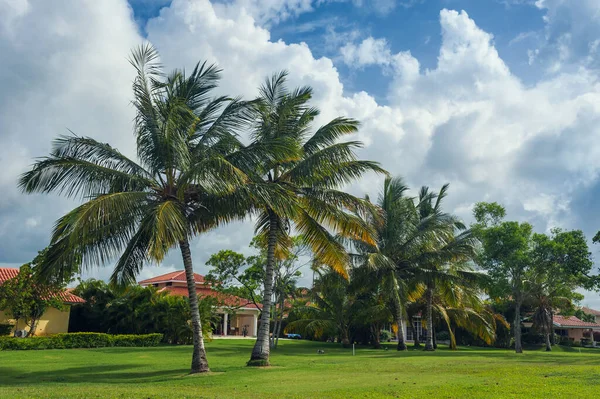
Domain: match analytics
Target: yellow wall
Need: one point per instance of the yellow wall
(53, 321)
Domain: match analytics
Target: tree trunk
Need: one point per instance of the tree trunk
(260, 353)
(416, 340)
(400, 323)
(31, 332)
(345, 339)
(429, 336)
(517, 328)
(199, 361)
(281, 309)
(549, 331)
(376, 332)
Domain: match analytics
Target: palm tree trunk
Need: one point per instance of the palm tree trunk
(517, 328)
(400, 323)
(429, 337)
(260, 353)
(416, 339)
(199, 361)
(278, 331)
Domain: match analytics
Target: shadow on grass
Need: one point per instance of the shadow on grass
(114, 373)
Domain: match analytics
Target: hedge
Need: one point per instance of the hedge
(79, 340)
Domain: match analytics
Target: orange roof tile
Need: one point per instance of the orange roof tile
(173, 276)
(6, 273)
(572, 321)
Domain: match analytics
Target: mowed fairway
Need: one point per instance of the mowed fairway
(299, 372)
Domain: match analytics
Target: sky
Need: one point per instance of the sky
(499, 98)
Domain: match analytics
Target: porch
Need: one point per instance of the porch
(241, 323)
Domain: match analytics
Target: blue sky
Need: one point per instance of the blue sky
(406, 25)
(499, 98)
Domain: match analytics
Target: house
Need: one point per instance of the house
(236, 314)
(53, 321)
(592, 312)
(574, 328)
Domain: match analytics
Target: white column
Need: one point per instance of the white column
(225, 319)
(255, 320)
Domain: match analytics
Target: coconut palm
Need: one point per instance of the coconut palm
(457, 303)
(314, 206)
(330, 312)
(182, 185)
(449, 241)
(544, 296)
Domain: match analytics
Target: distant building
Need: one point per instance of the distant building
(236, 314)
(53, 321)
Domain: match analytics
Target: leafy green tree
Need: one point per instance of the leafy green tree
(233, 273)
(27, 297)
(184, 184)
(540, 270)
(313, 204)
(562, 263)
(507, 257)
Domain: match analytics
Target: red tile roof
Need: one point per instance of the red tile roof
(6, 273)
(223, 299)
(591, 311)
(173, 276)
(572, 321)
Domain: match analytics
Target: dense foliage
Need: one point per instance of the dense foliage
(137, 310)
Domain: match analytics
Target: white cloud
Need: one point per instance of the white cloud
(468, 121)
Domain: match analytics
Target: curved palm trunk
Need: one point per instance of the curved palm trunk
(261, 350)
(429, 337)
(199, 362)
(400, 323)
(517, 328)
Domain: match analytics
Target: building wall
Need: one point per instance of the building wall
(576, 333)
(53, 321)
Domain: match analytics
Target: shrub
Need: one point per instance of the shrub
(577, 344)
(565, 341)
(5, 329)
(386, 336)
(442, 336)
(79, 340)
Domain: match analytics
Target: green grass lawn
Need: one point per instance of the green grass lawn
(299, 372)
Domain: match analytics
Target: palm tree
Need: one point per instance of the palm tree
(331, 310)
(457, 303)
(314, 206)
(181, 187)
(544, 295)
(449, 241)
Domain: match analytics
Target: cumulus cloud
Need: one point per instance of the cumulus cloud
(469, 121)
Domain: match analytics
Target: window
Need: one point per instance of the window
(169, 284)
(417, 328)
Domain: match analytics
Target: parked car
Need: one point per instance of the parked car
(293, 336)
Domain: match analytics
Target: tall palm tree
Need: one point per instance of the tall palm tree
(448, 242)
(314, 206)
(181, 185)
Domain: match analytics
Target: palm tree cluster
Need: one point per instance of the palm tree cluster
(203, 161)
(421, 264)
(193, 173)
